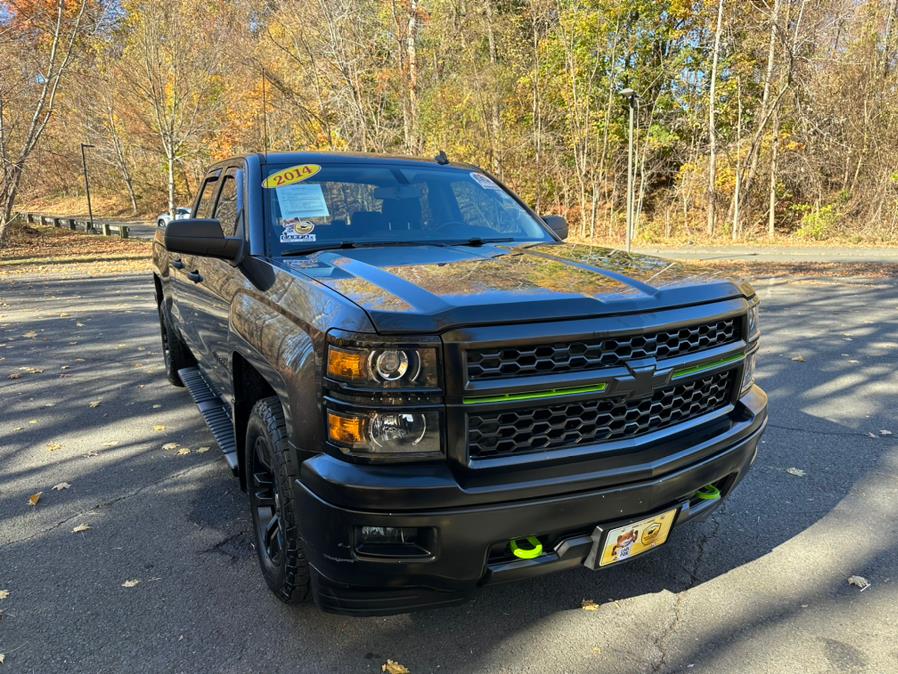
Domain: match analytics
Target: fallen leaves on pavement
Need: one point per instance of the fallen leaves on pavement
(93, 404)
(81, 528)
(159, 428)
(859, 582)
(134, 582)
(798, 358)
(589, 605)
(184, 451)
(170, 446)
(54, 446)
(4, 594)
(202, 450)
(883, 432)
(60, 486)
(797, 472)
(393, 667)
(34, 498)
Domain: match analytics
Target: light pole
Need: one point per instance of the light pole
(90, 210)
(632, 101)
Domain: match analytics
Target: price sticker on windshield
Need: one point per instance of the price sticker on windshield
(291, 176)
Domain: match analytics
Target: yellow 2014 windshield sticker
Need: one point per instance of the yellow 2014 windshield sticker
(291, 176)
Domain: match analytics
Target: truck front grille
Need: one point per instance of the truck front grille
(554, 358)
(558, 426)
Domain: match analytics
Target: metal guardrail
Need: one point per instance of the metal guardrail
(79, 225)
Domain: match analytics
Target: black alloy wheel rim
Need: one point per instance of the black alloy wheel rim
(266, 505)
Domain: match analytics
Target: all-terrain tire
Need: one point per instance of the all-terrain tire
(175, 352)
(271, 472)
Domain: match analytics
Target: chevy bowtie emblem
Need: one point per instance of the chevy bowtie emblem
(644, 377)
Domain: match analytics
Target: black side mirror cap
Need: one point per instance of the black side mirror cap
(557, 224)
(198, 236)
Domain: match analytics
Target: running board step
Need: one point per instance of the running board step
(214, 413)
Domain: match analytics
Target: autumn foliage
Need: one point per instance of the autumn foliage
(796, 137)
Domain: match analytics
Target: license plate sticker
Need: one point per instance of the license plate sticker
(638, 537)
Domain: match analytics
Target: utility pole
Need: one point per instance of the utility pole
(632, 101)
(90, 210)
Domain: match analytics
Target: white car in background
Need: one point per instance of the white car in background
(181, 213)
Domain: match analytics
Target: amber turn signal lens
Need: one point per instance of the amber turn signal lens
(346, 365)
(345, 430)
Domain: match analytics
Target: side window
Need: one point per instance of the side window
(227, 209)
(207, 198)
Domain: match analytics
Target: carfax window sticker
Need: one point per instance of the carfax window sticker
(296, 230)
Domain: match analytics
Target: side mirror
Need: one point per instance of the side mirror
(196, 236)
(555, 222)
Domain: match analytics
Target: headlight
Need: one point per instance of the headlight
(384, 366)
(748, 372)
(753, 324)
(386, 434)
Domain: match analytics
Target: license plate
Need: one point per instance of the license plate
(638, 537)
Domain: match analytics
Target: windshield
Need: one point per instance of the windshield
(313, 205)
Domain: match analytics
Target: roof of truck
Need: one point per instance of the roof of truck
(346, 158)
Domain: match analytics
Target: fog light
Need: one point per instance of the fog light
(395, 542)
(387, 534)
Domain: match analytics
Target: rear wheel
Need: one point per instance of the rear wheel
(269, 477)
(176, 354)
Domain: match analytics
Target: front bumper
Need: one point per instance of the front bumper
(334, 499)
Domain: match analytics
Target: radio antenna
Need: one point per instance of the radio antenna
(264, 114)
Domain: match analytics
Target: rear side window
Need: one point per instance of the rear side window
(207, 198)
(227, 210)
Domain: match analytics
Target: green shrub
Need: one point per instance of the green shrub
(820, 224)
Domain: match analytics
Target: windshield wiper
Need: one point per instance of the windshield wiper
(478, 241)
(330, 245)
(337, 245)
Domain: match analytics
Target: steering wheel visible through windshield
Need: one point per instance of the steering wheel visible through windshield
(313, 205)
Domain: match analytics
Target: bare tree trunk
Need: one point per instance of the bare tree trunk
(737, 190)
(754, 151)
(170, 159)
(771, 197)
(536, 107)
(495, 118)
(712, 128)
(411, 55)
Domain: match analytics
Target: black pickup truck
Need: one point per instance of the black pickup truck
(423, 389)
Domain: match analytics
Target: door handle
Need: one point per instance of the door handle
(177, 264)
(194, 276)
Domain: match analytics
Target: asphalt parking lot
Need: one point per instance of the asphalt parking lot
(761, 586)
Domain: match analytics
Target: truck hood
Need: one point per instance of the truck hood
(432, 288)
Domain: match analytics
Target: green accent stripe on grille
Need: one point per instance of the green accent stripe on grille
(552, 393)
(695, 369)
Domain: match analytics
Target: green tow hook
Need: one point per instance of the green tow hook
(532, 552)
(708, 493)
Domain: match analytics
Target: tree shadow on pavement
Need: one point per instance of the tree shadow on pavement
(768, 567)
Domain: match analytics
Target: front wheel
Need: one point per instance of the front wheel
(269, 480)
